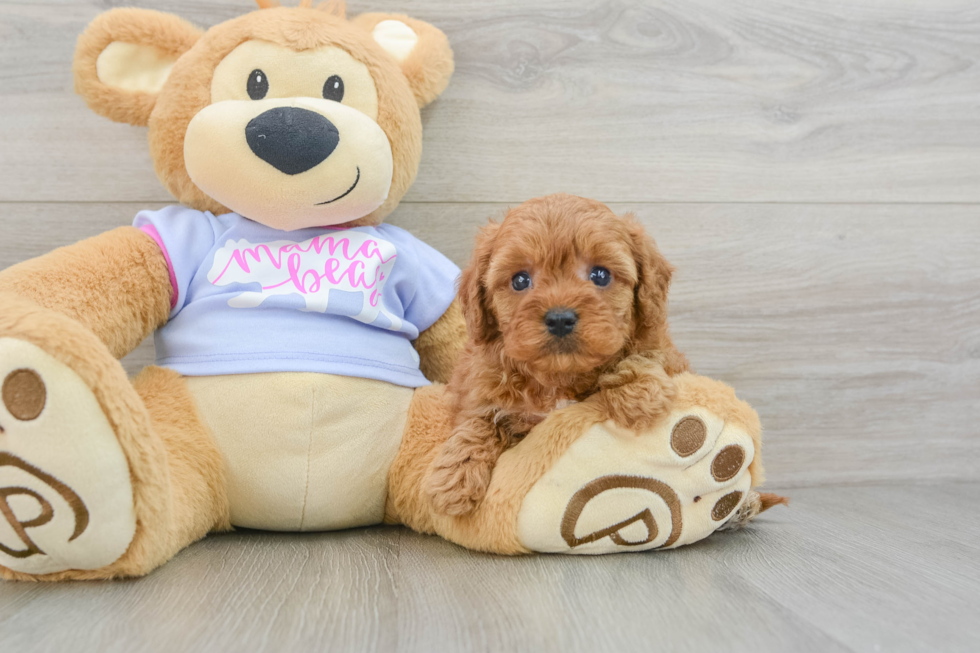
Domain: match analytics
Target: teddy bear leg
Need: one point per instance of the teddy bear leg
(98, 478)
(675, 483)
(580, 484)
(196, 475)
(428, 425)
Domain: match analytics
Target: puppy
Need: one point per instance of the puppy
(563, 299)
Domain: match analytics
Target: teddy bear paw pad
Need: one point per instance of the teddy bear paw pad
(617, 490)
(66, 500)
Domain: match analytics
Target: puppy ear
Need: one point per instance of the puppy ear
(481, 322)
(650, 292)
(422, 51)
(124, 58)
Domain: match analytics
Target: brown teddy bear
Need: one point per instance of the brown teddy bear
(296, 332)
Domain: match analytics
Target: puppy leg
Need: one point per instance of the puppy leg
(461, 471)
(638, 393)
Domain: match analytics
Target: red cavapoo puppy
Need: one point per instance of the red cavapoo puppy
(563, 299)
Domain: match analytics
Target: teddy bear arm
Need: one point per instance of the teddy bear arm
(117, 284)
(440, 345)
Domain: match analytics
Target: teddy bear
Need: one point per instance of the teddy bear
(301, 341)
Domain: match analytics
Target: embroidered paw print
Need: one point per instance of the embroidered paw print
(24, 394)
(614, 491)
(66, 499)
(687, 438)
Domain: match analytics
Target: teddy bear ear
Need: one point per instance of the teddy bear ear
(422, 51)
(124, 58)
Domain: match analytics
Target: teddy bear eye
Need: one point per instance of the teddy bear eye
(600, 276)
(333, 89)
(258, 85)
(520, 281)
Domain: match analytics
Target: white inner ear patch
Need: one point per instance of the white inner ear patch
(397, 38)
(132, 67)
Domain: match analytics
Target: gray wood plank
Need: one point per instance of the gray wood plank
(854, 330)
(265, 591)
(675, 601)
(842, 569)
(880, 568)
(675, 100)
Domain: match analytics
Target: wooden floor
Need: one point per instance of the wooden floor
(842, 569)
(812, 168)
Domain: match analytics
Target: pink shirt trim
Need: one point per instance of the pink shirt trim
(152, 232)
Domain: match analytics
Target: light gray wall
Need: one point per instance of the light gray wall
(812, 168)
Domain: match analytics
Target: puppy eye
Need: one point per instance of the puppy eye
(333, 89)
(600, 276)
(258, 85)
(520, 281)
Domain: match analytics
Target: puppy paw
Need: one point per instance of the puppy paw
(637, 395)
(458, 488)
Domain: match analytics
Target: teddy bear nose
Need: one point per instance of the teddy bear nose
(560, 321)
(290, 139)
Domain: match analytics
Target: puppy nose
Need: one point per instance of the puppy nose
(560, 321)
(290, 139)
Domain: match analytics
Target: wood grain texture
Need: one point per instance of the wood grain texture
(854, 330)
(812, 167)
(671, 100)
(266, 590)
(842, 569)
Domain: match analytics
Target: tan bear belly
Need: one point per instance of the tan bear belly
(304, 451)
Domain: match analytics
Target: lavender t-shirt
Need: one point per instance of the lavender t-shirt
(248, 298)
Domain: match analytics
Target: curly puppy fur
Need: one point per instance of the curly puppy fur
(514, 370)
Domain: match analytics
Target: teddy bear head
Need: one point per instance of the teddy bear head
(292, 117)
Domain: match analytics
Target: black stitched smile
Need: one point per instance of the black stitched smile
(347, 192)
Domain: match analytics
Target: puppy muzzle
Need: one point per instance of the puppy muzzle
(561, 321)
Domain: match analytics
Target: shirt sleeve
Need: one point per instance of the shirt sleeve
(435, 287)
(185, 237)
